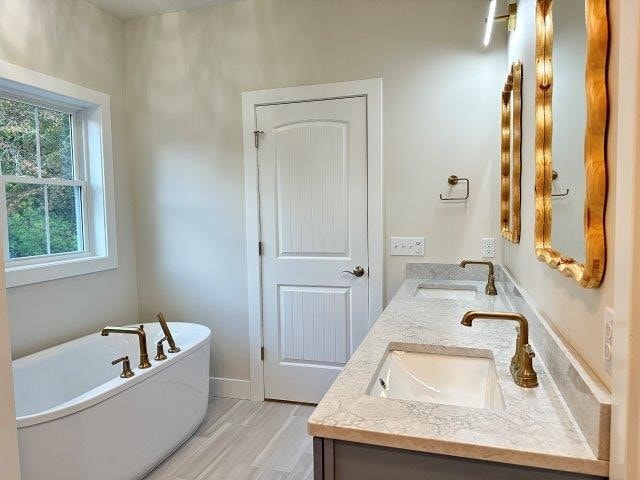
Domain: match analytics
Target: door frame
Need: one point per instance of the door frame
(625, 392)
(371, 90)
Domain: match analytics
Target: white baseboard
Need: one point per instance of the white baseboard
(230, 388)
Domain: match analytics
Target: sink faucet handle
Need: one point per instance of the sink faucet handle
(529, 351)
(160, 355)
(126, 366)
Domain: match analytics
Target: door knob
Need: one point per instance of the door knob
(357, 272)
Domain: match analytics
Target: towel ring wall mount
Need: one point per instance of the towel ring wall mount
(454, 180)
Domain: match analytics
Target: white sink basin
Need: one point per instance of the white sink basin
(467, 381)
(453, 292)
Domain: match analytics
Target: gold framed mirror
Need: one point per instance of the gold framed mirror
(573, 82)
(510, 154)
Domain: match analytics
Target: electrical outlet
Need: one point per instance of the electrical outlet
(409, 246)
(609, 316)
(488, 247)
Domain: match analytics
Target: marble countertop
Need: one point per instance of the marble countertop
(536, 428)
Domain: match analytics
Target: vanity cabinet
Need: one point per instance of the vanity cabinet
(340, 460)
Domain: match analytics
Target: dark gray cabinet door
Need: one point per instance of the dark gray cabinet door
(338, 460)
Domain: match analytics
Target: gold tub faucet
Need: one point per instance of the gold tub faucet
(522, 362)
(142, 340)
(490, 288)
(167, 333)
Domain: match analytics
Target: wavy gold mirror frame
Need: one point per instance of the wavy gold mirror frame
(510, 154)
(590, 273)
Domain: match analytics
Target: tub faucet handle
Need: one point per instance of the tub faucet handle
(126, 367)
(160, 350)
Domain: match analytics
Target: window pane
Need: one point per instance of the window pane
(26, 220)
(65, 219)
(56, 151)
(18, 155)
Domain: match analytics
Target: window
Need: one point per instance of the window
(43, 179)
(56, 188)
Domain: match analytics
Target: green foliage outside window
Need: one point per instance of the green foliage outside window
(37, 142)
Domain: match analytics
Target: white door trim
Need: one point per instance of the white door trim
(372, 90)
(625, 414)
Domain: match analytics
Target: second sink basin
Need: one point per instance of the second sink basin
(463, 380)
(453, 292)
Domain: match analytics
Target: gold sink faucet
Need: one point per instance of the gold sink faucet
(522, 362)
(490, 288)
(142, 340)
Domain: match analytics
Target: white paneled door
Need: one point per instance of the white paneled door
(312, 161)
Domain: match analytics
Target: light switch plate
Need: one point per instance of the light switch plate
(409, 246)
(609, 316)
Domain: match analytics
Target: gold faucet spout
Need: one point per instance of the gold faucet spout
(469, 317)
(522, 362)
(142, 340)
(490, 288)
(464, 263)
(126, 330)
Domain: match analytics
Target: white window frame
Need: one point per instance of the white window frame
(80, 169)
(93, 157)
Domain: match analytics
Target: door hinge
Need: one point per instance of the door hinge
(262, 354)
(256, 136)
(260, 249)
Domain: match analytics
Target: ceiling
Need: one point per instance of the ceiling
(126, 9)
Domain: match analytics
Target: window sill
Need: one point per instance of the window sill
(44, 272)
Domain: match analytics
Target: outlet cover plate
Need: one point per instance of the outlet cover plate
(607, 343)
(488, 247)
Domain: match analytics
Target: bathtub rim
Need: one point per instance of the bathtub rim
(112, 387)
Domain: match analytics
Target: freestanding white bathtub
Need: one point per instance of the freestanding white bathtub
(78, 420)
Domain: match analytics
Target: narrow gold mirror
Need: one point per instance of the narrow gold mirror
(510, 154)
(571, 186)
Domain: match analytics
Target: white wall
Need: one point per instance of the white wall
(576, 312)
(185, 74)
(9, 460)
(75, 41)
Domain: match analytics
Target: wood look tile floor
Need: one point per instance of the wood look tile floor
(243, 440)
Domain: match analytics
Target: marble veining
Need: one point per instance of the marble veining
(536, 429)
(587, 398)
